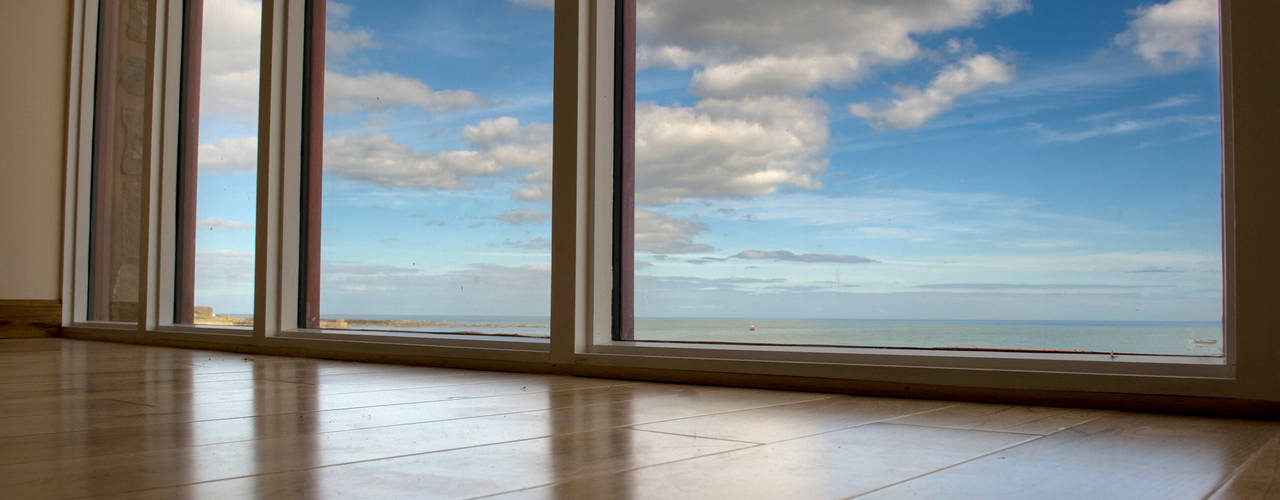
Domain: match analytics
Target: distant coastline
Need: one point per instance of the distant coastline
(341, 323)
(1081, 336)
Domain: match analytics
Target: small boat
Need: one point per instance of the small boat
(752, 328)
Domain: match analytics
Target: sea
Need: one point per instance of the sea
(1121, 337)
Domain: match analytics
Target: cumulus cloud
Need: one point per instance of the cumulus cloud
(728, 148)
(230, 49)
(664, 234)
(340, 40)
(523, 217)
(784, 255)
(378, 159)
(488, 132)
(228, 155)
(914, 107)
(1172, 35)
(345, 94)
(717, 148)
(229, 69)
(212, 223)
(526, 146)
(750, 48)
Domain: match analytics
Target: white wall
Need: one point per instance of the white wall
(34, 35)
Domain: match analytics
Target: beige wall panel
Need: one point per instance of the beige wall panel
(33, 102)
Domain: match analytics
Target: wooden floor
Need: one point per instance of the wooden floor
(100, 419)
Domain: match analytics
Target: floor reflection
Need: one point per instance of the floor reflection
(285, 443)
(93, 419)
(585, 434)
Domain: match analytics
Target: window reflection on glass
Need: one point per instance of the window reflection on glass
(119, 144)
(434, 190)
(929, 174)
(218, 164)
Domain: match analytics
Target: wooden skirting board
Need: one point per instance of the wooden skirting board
(30, 318)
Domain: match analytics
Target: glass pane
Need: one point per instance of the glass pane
(218, 178)
(119, 143)
(930, 174)
(436, 167)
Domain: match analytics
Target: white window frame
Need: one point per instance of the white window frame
(582, 246)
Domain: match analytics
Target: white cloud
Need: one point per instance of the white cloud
(538, 243)
(228, 155)
(380, 160)
(229, 69)
(1082, 263)
(478, 289)
(345, 94)
(1176, 101)
(1125, 127)
(224, 280)
(728, 148)
(523, 217)
(715, 149)
(1044, 244)
(961, 46)
(1033, 286)
(488, 132)
(546, 4)
(515, 145)
(914, 107)
(664, 234)
(776, 75)
(778, 48)
(1172, 35)
(212, 223)
(785, 255)
(230, 50)
(340, 40)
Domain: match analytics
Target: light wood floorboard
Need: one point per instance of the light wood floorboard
(92, 419)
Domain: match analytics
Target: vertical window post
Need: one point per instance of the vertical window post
(624, 150)
(103, 153)
(188, 158)
(312, 163)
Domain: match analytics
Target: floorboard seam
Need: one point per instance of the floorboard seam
(1243, 466)
(957, 464)
(694, 436)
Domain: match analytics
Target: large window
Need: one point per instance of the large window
(427, 187)
(925, 175)
(217, 163)
(936, 193)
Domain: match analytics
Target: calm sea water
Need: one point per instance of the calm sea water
(1178, 338)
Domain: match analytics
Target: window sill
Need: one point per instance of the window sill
(1203, 367)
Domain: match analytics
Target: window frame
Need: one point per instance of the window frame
(616, 345)
(582, 288)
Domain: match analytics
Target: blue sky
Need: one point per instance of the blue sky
(981, 159)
